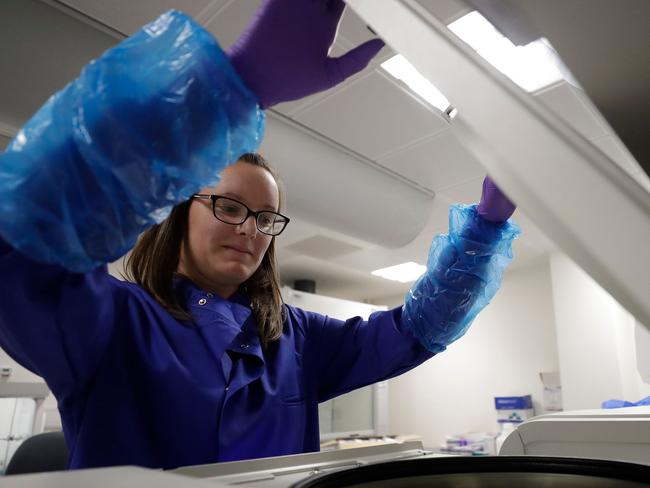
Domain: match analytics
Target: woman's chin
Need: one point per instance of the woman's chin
(235, 273)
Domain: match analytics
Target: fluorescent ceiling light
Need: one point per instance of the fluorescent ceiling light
(403, 273)
(398, 67)
(532, 66)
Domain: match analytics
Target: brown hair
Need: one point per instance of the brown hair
(154, 260)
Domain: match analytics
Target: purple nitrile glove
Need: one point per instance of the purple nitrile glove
(494, 205)
(283, 53)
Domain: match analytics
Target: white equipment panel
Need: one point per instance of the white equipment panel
(534, 156)
(621, 434)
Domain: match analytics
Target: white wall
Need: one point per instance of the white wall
(502, 354)
(595, 340)
(18, 373)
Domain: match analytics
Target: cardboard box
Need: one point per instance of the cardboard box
(514, 409)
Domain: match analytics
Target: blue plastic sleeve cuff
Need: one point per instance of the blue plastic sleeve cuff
(142, 128)
(464, 271)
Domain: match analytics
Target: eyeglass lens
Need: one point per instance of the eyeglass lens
(233, 212)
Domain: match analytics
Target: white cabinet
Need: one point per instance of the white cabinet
(16, 423)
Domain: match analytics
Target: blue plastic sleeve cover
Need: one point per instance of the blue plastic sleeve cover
(464, 271)
(141, 129)
(615, 403)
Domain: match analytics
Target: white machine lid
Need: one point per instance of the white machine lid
(589, 206)
(641, 412)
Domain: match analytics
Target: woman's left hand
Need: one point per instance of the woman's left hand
(494, 205)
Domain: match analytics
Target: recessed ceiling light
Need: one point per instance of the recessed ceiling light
(398, 67)
(403, 273)
(532, 66)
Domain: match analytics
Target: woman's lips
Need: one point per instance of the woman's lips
(239, 250)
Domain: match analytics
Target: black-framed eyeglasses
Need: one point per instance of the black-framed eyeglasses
(234, 212)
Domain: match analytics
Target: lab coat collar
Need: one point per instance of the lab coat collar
(206, 307)
(230, 321)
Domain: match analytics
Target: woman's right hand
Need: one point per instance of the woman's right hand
(283, 53)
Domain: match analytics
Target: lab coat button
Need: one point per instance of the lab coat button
(202, 301)
(244, 346)
(227, 388)
(209, 295)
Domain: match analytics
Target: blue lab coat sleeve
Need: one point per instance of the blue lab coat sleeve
(55, 323)
(354, 353)
(141, 129)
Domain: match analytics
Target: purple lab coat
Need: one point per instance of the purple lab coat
(136, 386)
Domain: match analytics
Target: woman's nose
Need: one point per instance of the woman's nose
(248, 226)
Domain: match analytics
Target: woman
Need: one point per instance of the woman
(197, 361)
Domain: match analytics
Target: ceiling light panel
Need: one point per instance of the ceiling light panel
(404, 273)
(532, 66)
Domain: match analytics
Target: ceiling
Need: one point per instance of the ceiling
(608, 53)
(371, 118)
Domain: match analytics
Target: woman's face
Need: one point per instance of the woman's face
(219, 257)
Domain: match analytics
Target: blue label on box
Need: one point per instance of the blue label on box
(513, 403)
